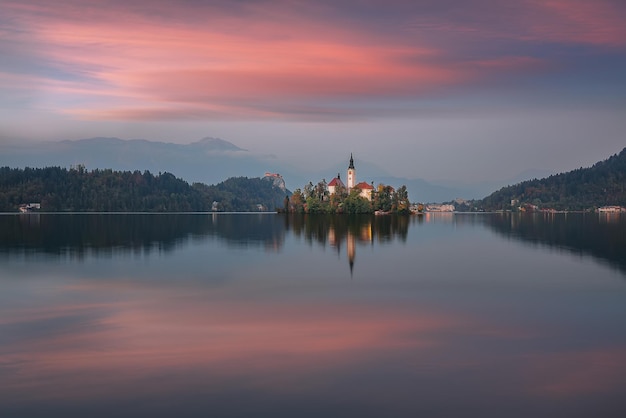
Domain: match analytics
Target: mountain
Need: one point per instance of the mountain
(215, 144)
(603, 184)
(209, 160)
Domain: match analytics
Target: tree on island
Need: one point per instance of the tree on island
(316, 198)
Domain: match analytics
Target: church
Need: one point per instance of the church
(365, 189)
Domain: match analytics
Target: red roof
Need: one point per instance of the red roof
(335, 182)
(363, 185)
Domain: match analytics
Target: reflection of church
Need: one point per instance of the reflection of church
(363, 235)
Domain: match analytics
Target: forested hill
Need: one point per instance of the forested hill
(582, 189)
(60, 189)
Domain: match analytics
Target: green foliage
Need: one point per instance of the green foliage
(245, 194)
(355, 204)
(383, 198)
(401, 200)
(76, 189)
(585, 188)
(297, 202)
(317, 199)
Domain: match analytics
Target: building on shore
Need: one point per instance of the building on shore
(611, 209)
(29, 207)
(440, 208)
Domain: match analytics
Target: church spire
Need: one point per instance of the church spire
(351, 174)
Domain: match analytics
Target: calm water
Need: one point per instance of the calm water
(197, 315)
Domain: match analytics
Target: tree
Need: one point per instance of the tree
(402, 200)
(309, 190)
(321, 190)
(354, 203)
(383, 198)
(297, 201)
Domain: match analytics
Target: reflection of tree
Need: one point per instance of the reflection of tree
(104, 233)
(243, 230)
(348, 229)
(575, 232)
(366, 228)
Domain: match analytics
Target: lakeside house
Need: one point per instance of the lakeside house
(29, 207)
(440, 208)
(611, 209)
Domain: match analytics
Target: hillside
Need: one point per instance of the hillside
(209, 160)
(585, 188)
(212, 160)
(78, 189)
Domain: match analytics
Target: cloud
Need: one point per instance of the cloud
(114, 60)
(597, 23)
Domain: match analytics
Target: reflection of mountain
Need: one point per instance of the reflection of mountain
(602, 236)
(101, 234)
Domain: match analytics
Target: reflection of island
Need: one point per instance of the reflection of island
(349, 230)
(602, 236)
(100, 235)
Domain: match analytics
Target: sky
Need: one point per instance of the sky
(465, 90)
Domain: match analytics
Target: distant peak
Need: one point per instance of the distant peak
(99, 139)
(216, 144)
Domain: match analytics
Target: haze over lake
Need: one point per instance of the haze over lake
(239, 315)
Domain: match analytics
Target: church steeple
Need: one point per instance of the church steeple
(351, 174)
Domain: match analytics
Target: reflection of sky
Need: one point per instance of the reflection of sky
(455, 319)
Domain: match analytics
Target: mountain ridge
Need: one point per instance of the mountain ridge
(209, 160)
(212, 160)
(602, 184)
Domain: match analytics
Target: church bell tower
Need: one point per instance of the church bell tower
(351, 174)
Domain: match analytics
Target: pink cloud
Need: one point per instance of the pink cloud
(140, 61)
(598, 23)
(212, 70)
(579, 21)
(515, 63)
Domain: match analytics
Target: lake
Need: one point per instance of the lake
(268, 315)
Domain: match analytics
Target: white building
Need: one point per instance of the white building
(334, 184)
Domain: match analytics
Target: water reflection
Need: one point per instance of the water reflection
(350, 231)
(99, 235)
(602, 236)
(247, 317)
